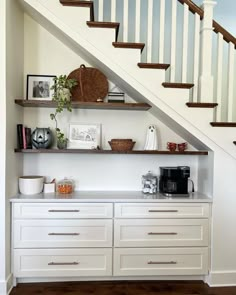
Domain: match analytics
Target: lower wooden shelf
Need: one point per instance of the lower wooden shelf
(86, 151)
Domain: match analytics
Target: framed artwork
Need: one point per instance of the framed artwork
(39, 87)
(84, 136)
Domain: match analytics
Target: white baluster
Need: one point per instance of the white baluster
(137, 21)
(173, 41)
(100, 10)
(219, 77)
(185, 44)
(149, 31)
(162, 31)
(125, 20)
(196, 57)
(206, 78)
(113, 10)
(230, 82)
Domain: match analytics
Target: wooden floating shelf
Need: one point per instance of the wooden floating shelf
(83, 151)
(85, 105)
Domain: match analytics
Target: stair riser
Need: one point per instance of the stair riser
(75, 17)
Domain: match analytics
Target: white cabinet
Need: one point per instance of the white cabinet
(146, 237)
(62, 239)
(161, 232)
(160, 261)
(109, 239)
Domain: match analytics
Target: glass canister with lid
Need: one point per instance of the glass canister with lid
(149, 183)
(65, 186)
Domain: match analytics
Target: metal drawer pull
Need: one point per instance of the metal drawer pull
(64, 234)
(163, 211)
(59, 211)
(161, 234)
(63, 263)
(163, 262)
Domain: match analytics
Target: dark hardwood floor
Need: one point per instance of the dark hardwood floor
(122, 288)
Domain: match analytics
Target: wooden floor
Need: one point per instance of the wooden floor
(122, 288)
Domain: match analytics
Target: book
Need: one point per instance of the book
(24, 137)
(20, 136)
(28, 138)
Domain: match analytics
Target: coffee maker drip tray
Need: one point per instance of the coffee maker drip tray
(170, 195)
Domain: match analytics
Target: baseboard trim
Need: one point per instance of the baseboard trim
(221, 279)
(7, 285)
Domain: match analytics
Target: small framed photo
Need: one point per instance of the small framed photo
(39, 87)
(84, 136)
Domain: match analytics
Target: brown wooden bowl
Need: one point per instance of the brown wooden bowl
(122, 145)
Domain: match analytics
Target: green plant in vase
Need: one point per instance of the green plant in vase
(62, 96)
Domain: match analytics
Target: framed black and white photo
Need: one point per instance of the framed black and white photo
(84, 136)
(39, 87)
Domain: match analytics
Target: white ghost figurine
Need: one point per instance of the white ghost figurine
(151, 139)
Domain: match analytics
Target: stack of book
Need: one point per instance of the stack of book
(23, 137)
(116, 97)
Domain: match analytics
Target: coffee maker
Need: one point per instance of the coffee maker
(174, 181)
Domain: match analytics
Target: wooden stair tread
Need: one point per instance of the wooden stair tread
(80, 3)
(223, 124)
(177, 85)
(128, 45)
(201, 105)
(109, 25)
(153, 66)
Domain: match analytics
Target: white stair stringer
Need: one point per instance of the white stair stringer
(121, 65)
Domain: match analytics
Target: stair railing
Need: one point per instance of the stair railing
(180, 33)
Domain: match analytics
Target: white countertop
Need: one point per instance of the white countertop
(109, 196)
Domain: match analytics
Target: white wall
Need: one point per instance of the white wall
(44, 54)
(14, 76)
(2, 144)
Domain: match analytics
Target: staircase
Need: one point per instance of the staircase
(195, 103)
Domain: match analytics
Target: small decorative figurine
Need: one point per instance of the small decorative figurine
(149, 183)
(151, 139)
(42, 138)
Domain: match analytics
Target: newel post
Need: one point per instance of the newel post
(206, 33)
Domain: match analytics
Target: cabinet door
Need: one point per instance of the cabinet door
(160, 261)
(160, 232)
(62, 262)
(161, 210)
(62, 210)
(62, 233)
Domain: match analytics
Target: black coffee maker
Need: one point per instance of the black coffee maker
(174, 181)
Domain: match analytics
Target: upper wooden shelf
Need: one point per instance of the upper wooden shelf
(82, 151)
(85, 105)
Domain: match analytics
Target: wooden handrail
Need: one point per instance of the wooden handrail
(194, 8)
(217, 27)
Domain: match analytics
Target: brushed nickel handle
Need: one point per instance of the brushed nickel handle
(162, 262)
(64, 234)
(59, 211)
(63, 263)
(151, 233)
(165, 211)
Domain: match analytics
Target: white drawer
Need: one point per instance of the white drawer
(151, 262)
(160, 232)
(161, 210)
(62, 233)
(62, 210)
(62, 263)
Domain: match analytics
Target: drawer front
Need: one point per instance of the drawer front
(160, 232)
(171, 261)
(62, 263)
(62, 233)
(62, 210)
(161, 210)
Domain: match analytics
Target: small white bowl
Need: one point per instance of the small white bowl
(31, 185)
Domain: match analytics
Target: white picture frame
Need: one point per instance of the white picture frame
(39, 87)
(84, 136)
